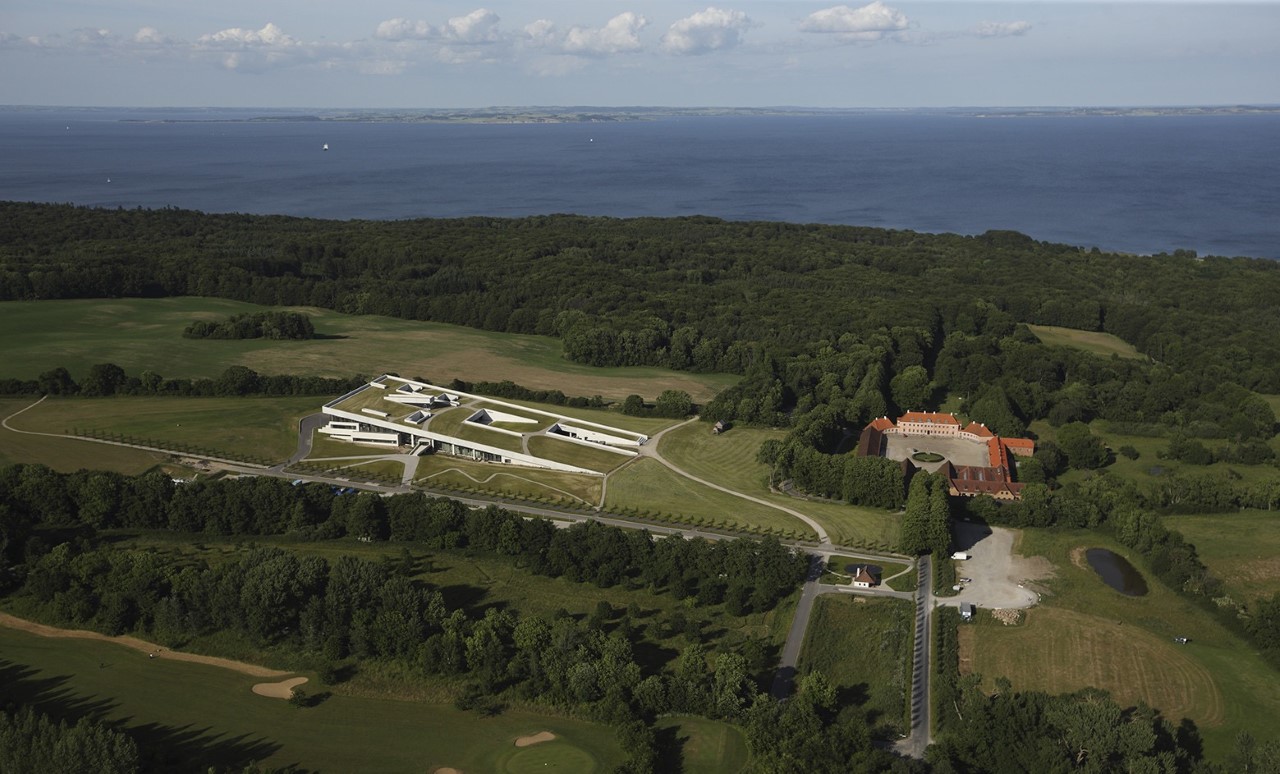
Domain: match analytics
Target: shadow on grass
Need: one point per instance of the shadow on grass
(162, 747)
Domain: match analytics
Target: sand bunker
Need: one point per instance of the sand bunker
(527, 741)
(280, 690)
(150, 648)
(446, 770)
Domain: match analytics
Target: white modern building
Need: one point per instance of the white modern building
(417, 417)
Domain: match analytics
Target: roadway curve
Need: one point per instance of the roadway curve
(650, 450)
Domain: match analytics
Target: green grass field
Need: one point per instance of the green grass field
(70, 454)
(1103, 344)
(1084, 633)
(729, 459)
(1243, 549)
(140, 334)
(706, 746)
(864, 646)
(570, 453)
(648, 485)
(209, 717)
(266, 427)
(438, 470)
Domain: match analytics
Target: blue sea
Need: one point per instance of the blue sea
(1141, 184)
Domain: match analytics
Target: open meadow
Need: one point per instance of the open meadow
(1086, 634)
(67, 454)
(141, 334)
(258, 426)
(864, 646)
(729, 459)
(1242, 549)
(1104, 344)
(203, 716)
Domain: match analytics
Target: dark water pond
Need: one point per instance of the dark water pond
(1116, 572)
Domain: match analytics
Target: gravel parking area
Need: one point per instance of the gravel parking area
(996, 575)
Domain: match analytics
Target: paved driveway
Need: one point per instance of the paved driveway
(994, 571)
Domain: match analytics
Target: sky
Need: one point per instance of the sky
(731, 53)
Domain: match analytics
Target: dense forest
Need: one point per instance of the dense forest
(859, 320)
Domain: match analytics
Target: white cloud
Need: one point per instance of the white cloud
(619, 35)
(869, 22)
(479, 26)
(990, 29)
(541, 33)
(706, 31)
(403, 29)
(270, 36)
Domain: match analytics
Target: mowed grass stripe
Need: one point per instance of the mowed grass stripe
(1060, 651)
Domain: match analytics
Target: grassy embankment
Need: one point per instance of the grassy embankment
(141, 334)
(864, 647)
(1086, 634)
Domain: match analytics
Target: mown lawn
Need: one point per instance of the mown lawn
(70, 454)
(140, 334)
(864, 646)
(207, 716)
(263, 427)
(445, 472)
(729, 459)
(648, 486)
(1086, 634)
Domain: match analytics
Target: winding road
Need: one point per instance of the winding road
(784, 681)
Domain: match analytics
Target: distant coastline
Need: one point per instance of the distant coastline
(585, 114)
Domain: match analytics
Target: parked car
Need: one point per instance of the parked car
(966, 580)
(1182, 640)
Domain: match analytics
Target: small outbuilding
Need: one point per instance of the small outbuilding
(866, 576)
(968, 611)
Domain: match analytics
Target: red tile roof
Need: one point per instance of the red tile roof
(978, 429)
(935, 417)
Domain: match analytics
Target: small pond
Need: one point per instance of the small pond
(1116, 572)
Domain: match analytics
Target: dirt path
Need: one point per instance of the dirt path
(150, 648)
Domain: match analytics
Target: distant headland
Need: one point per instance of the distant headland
(582, 114)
